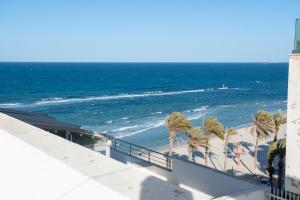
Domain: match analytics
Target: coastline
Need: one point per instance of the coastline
(216, 153)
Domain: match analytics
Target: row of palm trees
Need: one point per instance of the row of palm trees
(264, 125)
(177, 122)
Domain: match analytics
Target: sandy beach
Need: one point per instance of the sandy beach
(216, 153)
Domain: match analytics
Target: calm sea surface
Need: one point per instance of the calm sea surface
(131, 100)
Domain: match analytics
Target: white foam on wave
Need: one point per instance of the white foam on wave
(223, 88)
(112, 97)
(52, 99)
(121, 131)
(153, 113)
(200, 109)
(133, 130)
(144, 127)
(196, 116)
(57, 101)
(10, 105)
(124, 128)
(227, 106)
(196, 113)
(154, 92)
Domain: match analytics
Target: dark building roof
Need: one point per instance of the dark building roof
(42, 121)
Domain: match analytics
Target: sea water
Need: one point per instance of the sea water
(131, 100)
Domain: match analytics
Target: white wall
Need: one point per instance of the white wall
(292, 178)
(256, 194)
(126, 159)
(206, 180)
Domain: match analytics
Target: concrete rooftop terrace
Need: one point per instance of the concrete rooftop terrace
(39, 165)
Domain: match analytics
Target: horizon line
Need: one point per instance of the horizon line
(175, 62)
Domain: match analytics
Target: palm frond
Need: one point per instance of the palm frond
(277, 148)
(196, 139)
(263, 124)
(213, 126)
(178, 122)
(279, 118)
(231, 132)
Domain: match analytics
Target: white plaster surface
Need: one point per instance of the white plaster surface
(27, 173)
(213, 183)
(292, 180)
(36, 164)
(253, 194)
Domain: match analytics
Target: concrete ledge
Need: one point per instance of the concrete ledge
(71, 159)
(27, 173)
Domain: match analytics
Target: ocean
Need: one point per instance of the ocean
(131, 100)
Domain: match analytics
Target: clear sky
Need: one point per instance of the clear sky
(147, 30)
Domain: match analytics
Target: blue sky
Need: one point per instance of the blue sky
(147, 30)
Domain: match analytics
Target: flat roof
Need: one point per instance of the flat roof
(40, 120)
(127, 180)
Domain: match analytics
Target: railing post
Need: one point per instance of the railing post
(272, 191)
(115, 144)
(149, 156)
(67, 134)
(130, 149)
(168, 162)
(107, 147)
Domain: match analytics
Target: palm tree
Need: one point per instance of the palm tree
(278, 119)
(212, 126)
(277, 148)
(229, 133)
(263, 128)
(195, 140)
(176, 122)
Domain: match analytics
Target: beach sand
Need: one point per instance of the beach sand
(216, 153)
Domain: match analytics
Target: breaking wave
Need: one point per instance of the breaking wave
(113, 97)
(10, 105)
(58, 101)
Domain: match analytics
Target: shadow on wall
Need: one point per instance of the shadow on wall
(184, 157)
(294, 183)
(155, 188)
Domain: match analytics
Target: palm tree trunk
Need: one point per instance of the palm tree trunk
(280, 170)
(206, 155)
(255, 156)
(206, 151)
(225, 153)
(190, 150)
(171, 140)
(271, 171)
(276, 133)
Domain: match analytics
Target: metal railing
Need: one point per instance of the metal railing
(275, 193)
(148, 155)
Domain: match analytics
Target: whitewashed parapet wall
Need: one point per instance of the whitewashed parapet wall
(292, 178)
